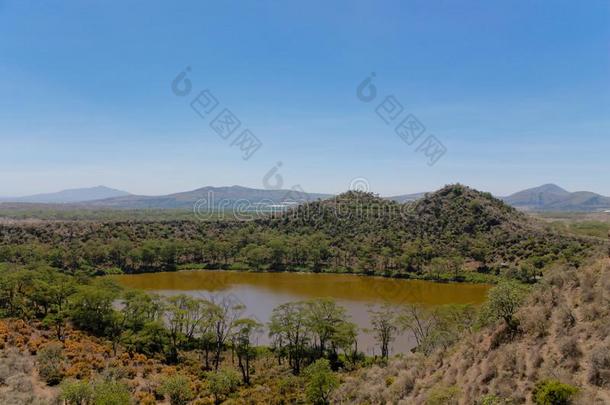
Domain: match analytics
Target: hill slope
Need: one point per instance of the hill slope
(454, 221)
(563, 335)
(75, 195)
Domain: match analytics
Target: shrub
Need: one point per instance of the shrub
(76, 392)
(51, 363)
(491, 399)
(287, 384)
(599, 373)
(503, 302)
(535, 321)
(320, 382)
(553, 392)
(443, 395)
(110, 392)
(177, 388)
(569, 348)
(222, 384)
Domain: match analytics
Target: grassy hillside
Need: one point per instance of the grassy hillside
(562, 336)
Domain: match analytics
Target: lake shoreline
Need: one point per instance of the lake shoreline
(469, 277)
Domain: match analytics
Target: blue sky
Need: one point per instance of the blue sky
(517, 91)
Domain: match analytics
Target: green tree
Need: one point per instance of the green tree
(324, 319)
(385, 326)
(91, 307)
(456, 264)
(257, 256)
(320, 382)
(448, 323)
(183, 315)
(245, 330)
(503, 301)
(150, 340)
(15, 285)
(56, 321)
(278, 250)
(438, 267)
(224, 314)
(288, 330)
(139, 308)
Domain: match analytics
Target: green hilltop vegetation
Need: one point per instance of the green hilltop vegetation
(456, 233)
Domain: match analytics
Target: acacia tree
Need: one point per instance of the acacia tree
(418, 320)
(503, 301)
(385, 326)
(289, 332)
(91, 307)
(183, 315)
(438, 266)
(226, 312)
(324, 319)
(245, 330)
(140, 307)
(346, 339)
(206, 331)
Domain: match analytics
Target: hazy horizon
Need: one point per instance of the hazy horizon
(308, 191)
(517, 92)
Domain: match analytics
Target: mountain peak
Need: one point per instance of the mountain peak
(550, 197)
(551, 188)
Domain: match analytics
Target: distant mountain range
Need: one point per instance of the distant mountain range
(75, 195)
(548, 197)
(212, 197)
(545, 198)
(407, 197)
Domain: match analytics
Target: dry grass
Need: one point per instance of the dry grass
(564, 335)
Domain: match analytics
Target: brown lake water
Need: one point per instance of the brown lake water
(261, 292)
